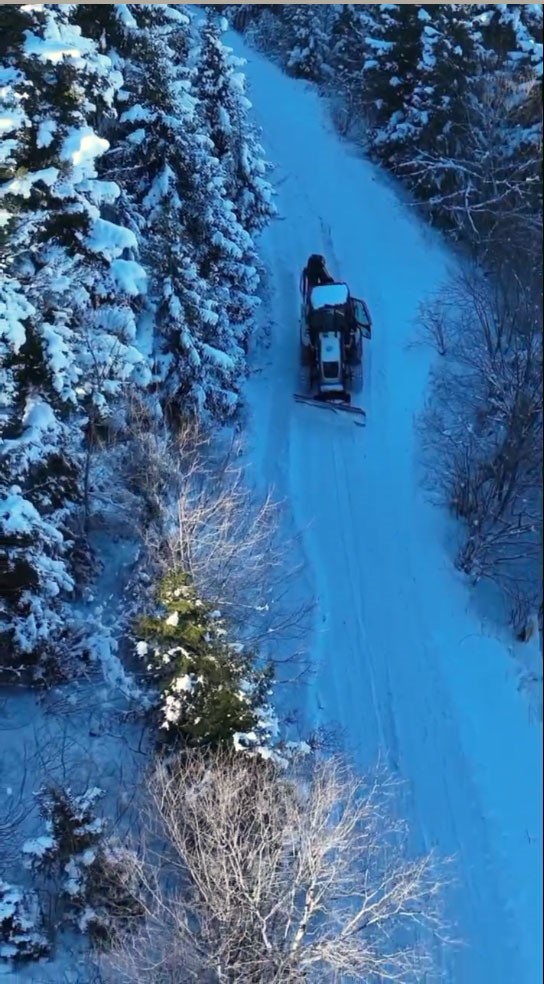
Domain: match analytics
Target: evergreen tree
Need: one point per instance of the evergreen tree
(220, 89)
(22, 934)
(211, 692)
(201, 194)
(436, 109)
(391, 72)
(308, 43)
(215, 91)
(204, 285)
(347, 60)
(114, 157)
(68, 348)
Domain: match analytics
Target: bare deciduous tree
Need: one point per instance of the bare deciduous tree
(205, 519)
(482, 432)
(432, 325)
(256, 877)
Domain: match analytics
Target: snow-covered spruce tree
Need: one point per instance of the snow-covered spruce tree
(37, 476)
(391, 72)
(435, 110)
(198, 242)
(214, 87)
(511, 33)
(94, 879)
(160, 126)
(347, 59)
(308, 42)
(69, 353)
(506, 111)
(471, 136)
(211, 691)
(21, 934)
(220, 89)
(242, 15)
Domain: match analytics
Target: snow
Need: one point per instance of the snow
(130, 277)
(403, 661)
(137, 137)
(101, 192)
(19, 515)
(329, 294)
(14, 309)
(23, 184)
(125, 16)
(10, 120)
(175, 15)
(60, 41)
(110, 239)
(50, 50)
(137, 114)
(218, 357)
(183, 684)
(38, 846)
(81, 147)
(38, 420)
(46, 133)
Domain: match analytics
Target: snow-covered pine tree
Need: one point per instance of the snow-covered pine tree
(214, 87)
(511, 34)
(95, 877)
(508, 99)
(475, 116)
(241, 15)
(226, 261)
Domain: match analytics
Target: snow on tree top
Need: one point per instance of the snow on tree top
(329, 294)
(175, 15)
(129, 276)
(60, 41)
(125, 17)
(81, 146)
(110, 239)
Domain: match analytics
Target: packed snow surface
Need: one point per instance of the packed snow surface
(404, 662)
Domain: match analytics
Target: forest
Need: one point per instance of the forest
(170, 807)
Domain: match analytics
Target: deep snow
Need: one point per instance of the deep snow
(403, 661)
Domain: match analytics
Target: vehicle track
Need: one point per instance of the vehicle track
(385, 642)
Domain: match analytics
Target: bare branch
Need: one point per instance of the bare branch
(253, 875)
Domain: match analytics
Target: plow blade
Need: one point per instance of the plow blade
(335, 406)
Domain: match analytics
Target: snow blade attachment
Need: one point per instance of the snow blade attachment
(341, 405)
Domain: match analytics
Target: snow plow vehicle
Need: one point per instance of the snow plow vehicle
(333, 326)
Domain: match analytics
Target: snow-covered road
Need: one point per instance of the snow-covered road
(404, 664)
